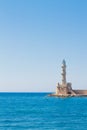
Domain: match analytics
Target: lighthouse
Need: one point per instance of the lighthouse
(63, 88)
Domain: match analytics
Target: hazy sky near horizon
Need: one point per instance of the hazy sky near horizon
(35, 36)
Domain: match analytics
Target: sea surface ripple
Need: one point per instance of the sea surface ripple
(37, 111)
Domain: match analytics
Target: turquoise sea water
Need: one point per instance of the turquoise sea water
(36, 111)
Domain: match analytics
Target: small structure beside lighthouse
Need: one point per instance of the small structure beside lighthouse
(64, 89)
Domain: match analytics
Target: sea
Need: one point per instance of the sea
(37, 111)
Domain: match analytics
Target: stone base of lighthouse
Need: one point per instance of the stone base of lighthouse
(64, 89)
(67, 91)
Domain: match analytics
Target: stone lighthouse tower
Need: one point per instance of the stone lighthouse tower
(63, 72)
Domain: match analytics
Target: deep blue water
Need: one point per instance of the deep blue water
(36, 111)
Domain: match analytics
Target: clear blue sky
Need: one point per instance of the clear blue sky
(35, 36)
